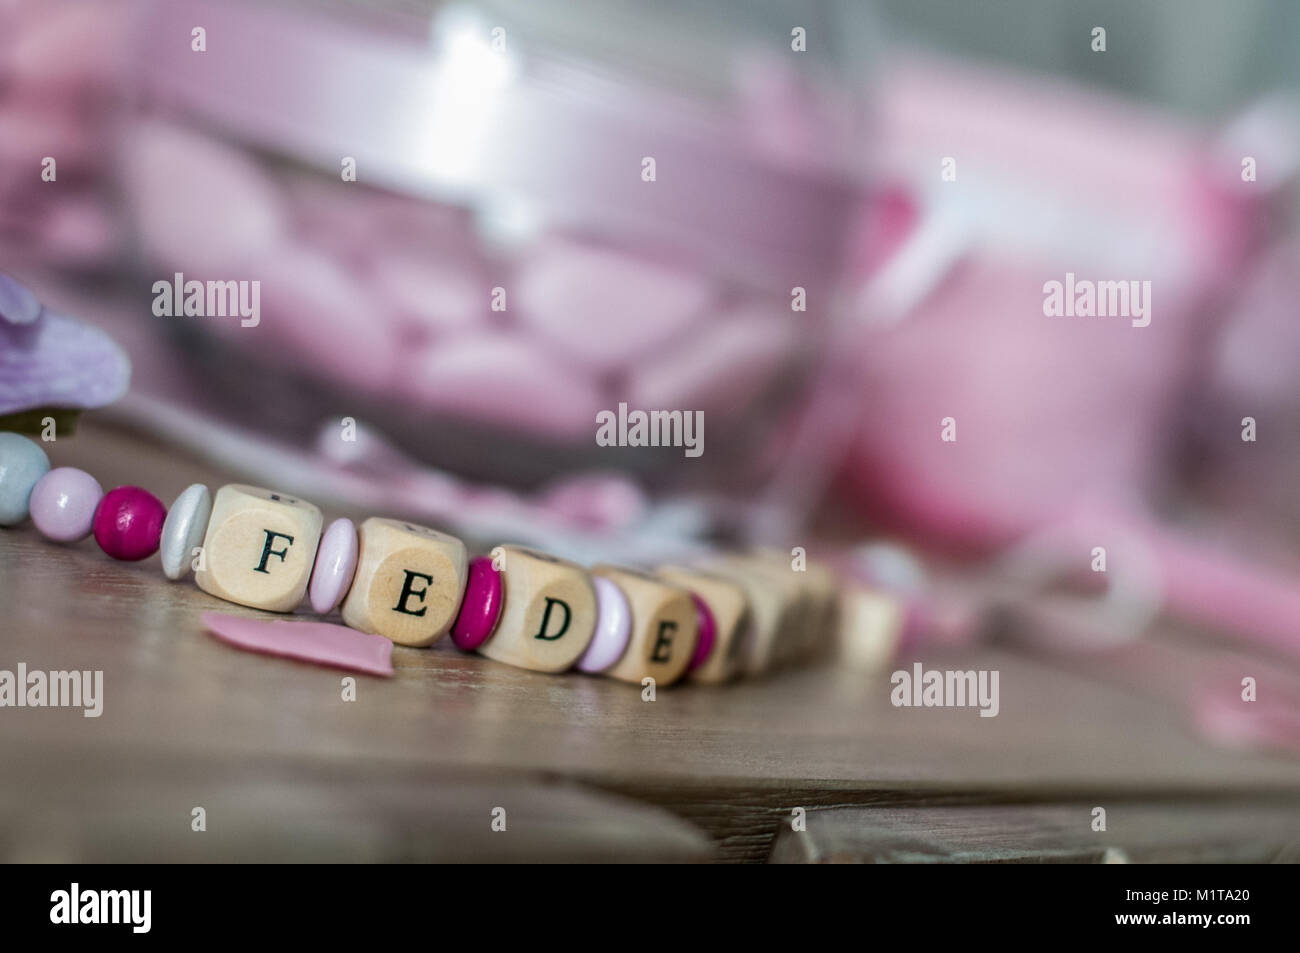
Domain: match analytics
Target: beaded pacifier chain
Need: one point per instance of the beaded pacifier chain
(730, 615)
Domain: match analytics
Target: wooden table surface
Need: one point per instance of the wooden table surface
(285, 768)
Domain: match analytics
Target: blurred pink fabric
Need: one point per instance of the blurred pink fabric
(1049, 411)
(1061, 421)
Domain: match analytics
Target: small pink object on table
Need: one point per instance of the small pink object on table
(708, 630)
(613, 628)
(324, 643)
(128, 523)
(336, 564)
(481, 607)
(63, 503)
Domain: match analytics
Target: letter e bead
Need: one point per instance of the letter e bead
(259, 548)
(726, 601)
(664, 627)
(408, 584)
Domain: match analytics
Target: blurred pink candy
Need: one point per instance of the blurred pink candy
(200, 204)
(64, 48)
(603, 308)
(322, 643)
(432, 294)
(323, 317)
(597, 501)
(721, 367)
(506, 380)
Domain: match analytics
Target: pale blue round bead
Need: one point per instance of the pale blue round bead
(22, 463)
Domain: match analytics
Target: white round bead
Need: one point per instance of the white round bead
(183, 530)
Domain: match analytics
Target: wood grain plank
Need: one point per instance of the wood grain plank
(102, 807)
(1242, 832)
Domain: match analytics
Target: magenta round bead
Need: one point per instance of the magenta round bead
(708, 630)
(63, 502)
(481, 607)
(129, 522)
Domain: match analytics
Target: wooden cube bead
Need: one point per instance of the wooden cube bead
(259, 548)
(663, 627)
(869, 627)
(796, 607)
(826, 593)
(726, 600)
(815, 590)
(409, 582)
(770, 612)
(825, 588)
(548, 615)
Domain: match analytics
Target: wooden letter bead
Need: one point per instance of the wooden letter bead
(730, 609)
(409, 582)
(663, 627)
(548, 615)
(869, 628)
(769, 613)
(259, 548)
(816, 590)
(824, 586)
(796, 603)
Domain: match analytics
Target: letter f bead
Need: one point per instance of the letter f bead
(259, 548)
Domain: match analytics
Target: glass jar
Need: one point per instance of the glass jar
(496, 232)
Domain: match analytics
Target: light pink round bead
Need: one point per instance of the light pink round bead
(613, 628)
(336, 562)
(63, 504)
